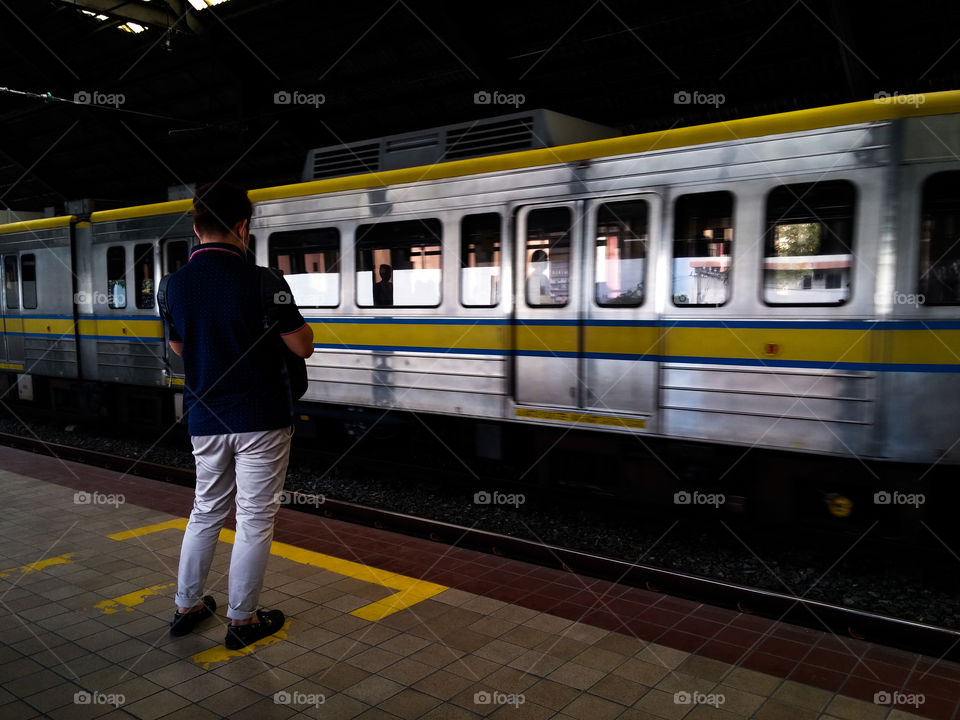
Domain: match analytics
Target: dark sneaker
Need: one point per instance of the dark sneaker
(239, 636)
(183, 623)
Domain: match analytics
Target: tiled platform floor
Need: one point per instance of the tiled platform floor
(569, 646)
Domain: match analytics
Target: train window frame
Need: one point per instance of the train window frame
(328, 235)
(497, 264)
(770, 224)
(140, 286)
(645, 244)
(170, 245)
(530, 272)
(725, 244)
(366, 241)
(924, 245)
(11, 261)
(111, 296)
(28, 260)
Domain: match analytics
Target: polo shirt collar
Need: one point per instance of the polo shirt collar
(216, 247)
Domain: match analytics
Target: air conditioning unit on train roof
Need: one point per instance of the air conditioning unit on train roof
(491, 136)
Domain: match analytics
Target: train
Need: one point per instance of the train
(718, 295)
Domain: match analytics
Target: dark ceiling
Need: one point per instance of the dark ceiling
(199, 98)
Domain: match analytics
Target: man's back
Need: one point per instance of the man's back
(233, 365)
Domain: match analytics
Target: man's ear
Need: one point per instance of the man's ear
(196, 232)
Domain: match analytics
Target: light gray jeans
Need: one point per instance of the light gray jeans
(251, 467)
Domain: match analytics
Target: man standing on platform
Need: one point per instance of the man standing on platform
(230, 325)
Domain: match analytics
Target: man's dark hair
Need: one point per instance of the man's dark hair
(217, 207)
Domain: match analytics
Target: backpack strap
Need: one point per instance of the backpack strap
(162, 299)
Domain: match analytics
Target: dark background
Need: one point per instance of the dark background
(199, 98)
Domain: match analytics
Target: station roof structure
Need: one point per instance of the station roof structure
(117, 100)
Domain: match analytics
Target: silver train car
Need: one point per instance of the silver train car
(784, 283)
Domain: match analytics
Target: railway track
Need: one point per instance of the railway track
(880, 629)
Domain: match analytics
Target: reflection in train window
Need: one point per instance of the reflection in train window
(116, 277)
(143, 275)
(398, 263)
(28, 272)
(176, 255)
(940, 240)
(480, 260)
(310, 262)
(11, 281)
(809, 244)
(702, 236)
(548, 257)
(621, 252)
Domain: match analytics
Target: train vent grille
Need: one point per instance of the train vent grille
(510, 135)
(346, 160)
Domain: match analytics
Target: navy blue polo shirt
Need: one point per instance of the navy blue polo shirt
(233, 365)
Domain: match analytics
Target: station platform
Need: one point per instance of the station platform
(387, 626)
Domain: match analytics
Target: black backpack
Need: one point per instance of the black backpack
(294, 366)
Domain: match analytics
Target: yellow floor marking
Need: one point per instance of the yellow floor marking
(222, 654)
(130, 599)
(178, 524)
(38, 566)
(410, 590)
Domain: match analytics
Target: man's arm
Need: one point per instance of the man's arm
(299, 341)
(177, 347)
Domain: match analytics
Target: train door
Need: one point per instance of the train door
(547, 301)
(12, 320)
(620, 335)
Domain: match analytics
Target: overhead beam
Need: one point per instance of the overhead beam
(158, 15)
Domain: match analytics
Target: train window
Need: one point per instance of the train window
(310, 262)
(143, 272)
(548, 257)
(940, 240)
(116, 277)
(702, 236)
(11, 282)
(480, 260)
(809, 244)
(28, 272)
(177, 255)
(398, 263)
(621, 252)
(252, 249)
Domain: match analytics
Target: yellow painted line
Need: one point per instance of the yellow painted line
(582, 418)
(849, 346)
(41, 224)
(176, 524)
(409, 590)
(177, 381)
(547, 338)
(164, 208)
(130, 600)
(440, 336)
(220, 654)
(11, 366)
(38, 566)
